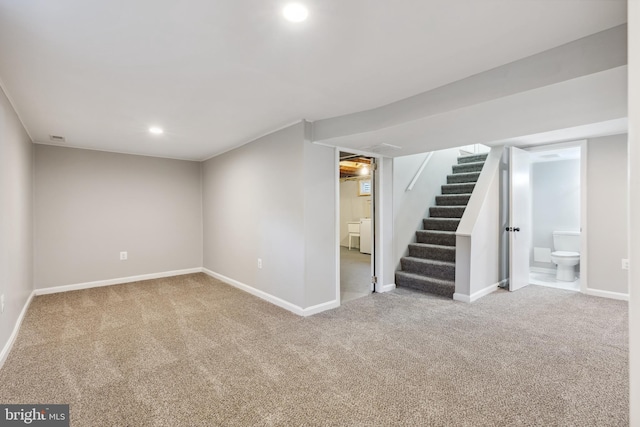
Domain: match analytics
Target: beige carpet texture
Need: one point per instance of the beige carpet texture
(193, 351)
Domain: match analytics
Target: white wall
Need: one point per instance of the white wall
(352, 208)
(634, 211)
(91, 205)
(273, 199)
(478, 235)
(384, 226)
(607, 213)
(16, 219)
(555, 198)
(410, 207)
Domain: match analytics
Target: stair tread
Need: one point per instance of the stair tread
(468, 158)
(459, 174)
(463, 178)
(421, 277)
(430, 261)
(471, 163)
(458, 185)
(431, 245)
(437, 237)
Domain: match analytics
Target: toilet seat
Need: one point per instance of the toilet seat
(564, 254)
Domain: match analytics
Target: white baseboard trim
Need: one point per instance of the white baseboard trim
(118, 281)
(476, 295)
(7, 347)
(319, 308)
(314, 309)
(387, 288)
(607, 294)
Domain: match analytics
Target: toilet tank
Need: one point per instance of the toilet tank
(566, 241)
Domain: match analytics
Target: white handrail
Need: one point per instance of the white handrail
(415, 178)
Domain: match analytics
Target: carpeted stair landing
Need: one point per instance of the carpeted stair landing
(431, 263)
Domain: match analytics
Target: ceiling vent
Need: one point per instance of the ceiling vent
(56, 138)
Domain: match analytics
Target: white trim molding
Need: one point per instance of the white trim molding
(476, 295)
(607, 294)
(314, 309)
(319, 308)
(7, 347)
(387, 288)
(118, 281)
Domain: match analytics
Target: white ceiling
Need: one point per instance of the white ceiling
(216, 74)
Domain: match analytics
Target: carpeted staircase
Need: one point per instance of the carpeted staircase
(431, 263)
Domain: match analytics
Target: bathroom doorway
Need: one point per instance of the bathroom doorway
(558, 216)
(356, 237)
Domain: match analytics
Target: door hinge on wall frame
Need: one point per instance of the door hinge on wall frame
(374, 166)
(374, 279)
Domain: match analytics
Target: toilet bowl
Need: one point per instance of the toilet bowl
(566, 255)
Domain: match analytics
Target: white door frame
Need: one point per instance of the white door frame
(520, 221)
(584, 229)
(381, 204)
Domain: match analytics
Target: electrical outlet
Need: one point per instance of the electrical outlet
(123, 256)
(625, 264)
(2, 303)
(259, 262)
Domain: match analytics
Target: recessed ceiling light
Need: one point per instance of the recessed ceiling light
(156, 130)
(295, 12)
(364, 171)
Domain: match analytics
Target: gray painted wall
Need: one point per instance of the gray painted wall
(273, 199)
(90, 205)
(607, 213)
(16, 217)
(319, 224)
(555, 197)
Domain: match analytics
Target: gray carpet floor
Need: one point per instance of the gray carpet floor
(192, 351)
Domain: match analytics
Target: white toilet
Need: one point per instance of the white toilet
(566, 254)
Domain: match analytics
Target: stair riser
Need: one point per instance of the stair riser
(452, 200)
(446, 212)
(468, 167)
(460, 178)
(472, 159)
(435, 238)
(440, 224)
(444, 272)
(425, 285)
(439, 254)
(457, 188)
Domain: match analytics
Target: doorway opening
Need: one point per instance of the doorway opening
(547, 234)
(357, 237)
(556, 217)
